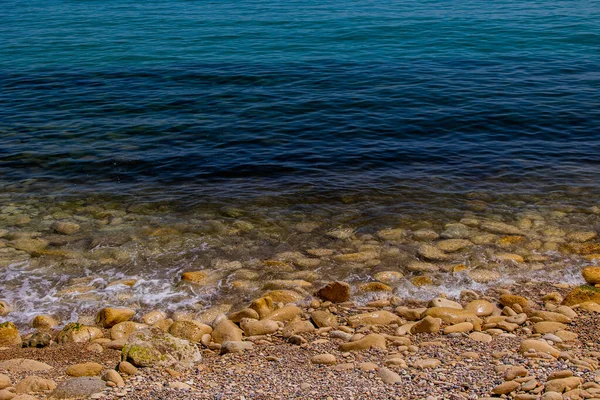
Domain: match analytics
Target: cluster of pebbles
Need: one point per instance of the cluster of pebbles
(536, 341)
(77, 256)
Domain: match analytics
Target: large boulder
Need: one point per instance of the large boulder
(153, 347)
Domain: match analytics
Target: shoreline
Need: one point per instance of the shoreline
(318, 349)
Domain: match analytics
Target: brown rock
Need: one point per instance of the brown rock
(510, 299)
(480, 337)
(285, 314)
(24, 365)
(506, 387)
(426, 325)
(453, 316)
(109, 317)
(153, 317)
(370, 341)
(244, 313)
(9, 335)
(113, 376)
(4, 381)
(297, 327)
(123, 330)
(284, 296)
(515, 372)
(548, 327)
(78, 333)
(35, 384)
(458, 328)
(591, 275)
(263, 306)
(324, 359)
(65, 228)
(226, 331)
(563, 384)
(189, 330)
(85, 369)
(44, 322)
(195, 277)
(381, 317)
(253, 327)
(336, 292)
(388, 376)
(127, 368)
(537, 346)
(481, 308)
(582, 294)
(323, 318)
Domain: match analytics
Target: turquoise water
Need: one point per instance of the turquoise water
(248, 97)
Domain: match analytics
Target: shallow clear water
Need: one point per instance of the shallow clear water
(366, 115)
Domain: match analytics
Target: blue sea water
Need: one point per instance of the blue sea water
(182, 99)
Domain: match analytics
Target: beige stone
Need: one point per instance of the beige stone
(35, 384)
(481, 308)
(506, 387)
(452, 245)
(17, 365)
(78, 333)
(426, 325)
(459, 328)
(4, 381)
(324, 318)
(510, 299)
(284, 296)
(432, 253)
(388, 376)
(226, 331)
(285, 314)
(442, 302)
(153, 317)
(263, 306)
(370, 341)
(244, 313)
(44, 322)
(359, 257)
(123, 330)
(252, 327)
(85, 369)
(336, 292)
(563, 384)
(9, 335)
(127, 368)
(381, 317)
(548, 327)
(109, 317)
(297, 327)
(552, 316)
(189, 330)
(324, 359)
(591, 275)
(453, 316)
(480, 337)
(113, 376)
(537, 346)
(427, 363)
(514, 372)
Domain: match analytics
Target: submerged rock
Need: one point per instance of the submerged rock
(336, 292)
